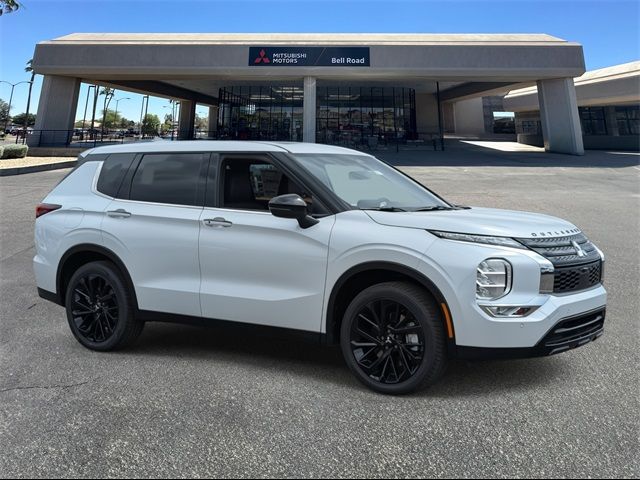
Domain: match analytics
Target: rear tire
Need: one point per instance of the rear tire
(100, 309)
(393, 339)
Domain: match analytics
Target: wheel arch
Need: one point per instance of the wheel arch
(364, 275)
(82, 254)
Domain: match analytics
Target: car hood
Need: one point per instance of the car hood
(479, 221)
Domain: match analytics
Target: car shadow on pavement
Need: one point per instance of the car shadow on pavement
(484, 377)
(244, 347)
(325, 364)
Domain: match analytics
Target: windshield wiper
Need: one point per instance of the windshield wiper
(385, 209)
(434, 208)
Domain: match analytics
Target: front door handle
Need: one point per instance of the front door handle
(217, 222)
(119, 213)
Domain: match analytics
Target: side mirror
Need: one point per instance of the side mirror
(292, 205)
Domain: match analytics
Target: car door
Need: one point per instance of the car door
(153, 226)
(257, 268)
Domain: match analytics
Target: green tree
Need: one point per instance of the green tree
(4, 112)
(201, 123)
(168, 123)
(150, 124)
(21, 119)
(8, 6)
(110, 119)
(108, 95)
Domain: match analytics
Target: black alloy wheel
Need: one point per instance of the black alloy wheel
(387, 341)
(392, 337)
(94, 308)
(100, 309)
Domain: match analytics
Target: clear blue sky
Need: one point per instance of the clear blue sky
(608, 29)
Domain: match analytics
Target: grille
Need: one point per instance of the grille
(575, 278)
(561, 251)
(574, 332)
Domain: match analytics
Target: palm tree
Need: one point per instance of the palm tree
(8, 6)
(108, 95)
(29, 69)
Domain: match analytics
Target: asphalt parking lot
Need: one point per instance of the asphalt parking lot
(203, 402)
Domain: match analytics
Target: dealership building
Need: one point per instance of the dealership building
(329, 88)
(608, 107)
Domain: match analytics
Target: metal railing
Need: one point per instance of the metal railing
(77, 138)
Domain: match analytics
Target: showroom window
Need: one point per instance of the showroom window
(250, 112)
(593, 121)
(353, 116)
(628, 119)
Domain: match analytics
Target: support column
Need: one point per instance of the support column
(213, 121)
(186, 120)
(309, 110)
(559, 116)
(56, 112)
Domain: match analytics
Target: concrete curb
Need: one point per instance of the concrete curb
(5, 172)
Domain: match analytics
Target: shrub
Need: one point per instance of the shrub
(14, 151)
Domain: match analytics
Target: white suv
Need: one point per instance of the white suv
(312, 239)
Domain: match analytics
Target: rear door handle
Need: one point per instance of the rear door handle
(217, 222)
(119, 213)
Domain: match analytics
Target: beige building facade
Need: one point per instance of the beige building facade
(332, 88)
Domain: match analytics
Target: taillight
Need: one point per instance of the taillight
(43, 208)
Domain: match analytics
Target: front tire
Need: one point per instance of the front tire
(100, 309)
(392, 338)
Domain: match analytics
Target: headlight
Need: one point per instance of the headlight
(467, 237)
(493, 279)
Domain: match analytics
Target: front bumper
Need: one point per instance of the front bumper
(568, 334)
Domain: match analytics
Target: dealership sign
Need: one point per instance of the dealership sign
(309, 56)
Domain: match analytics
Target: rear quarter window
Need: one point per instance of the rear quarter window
(114, 169)
(82, 159)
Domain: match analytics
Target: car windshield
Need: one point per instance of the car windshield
(366, 183)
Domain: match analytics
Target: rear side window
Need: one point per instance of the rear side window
(113, 171)
(176, 178)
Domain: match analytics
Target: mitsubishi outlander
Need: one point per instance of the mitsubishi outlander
(321, 240)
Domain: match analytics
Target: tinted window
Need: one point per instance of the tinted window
(250, 184)
(170, 178)
(113, 171)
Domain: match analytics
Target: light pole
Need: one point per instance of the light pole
(86, 104)
(116, 115)
(173, 117)
(13, 85)
(142, 113)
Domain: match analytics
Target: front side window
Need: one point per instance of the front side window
(250, 184)
(174, 178)
(367, 183)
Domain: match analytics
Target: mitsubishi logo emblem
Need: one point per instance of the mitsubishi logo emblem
(579, 250)
(262, 58)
